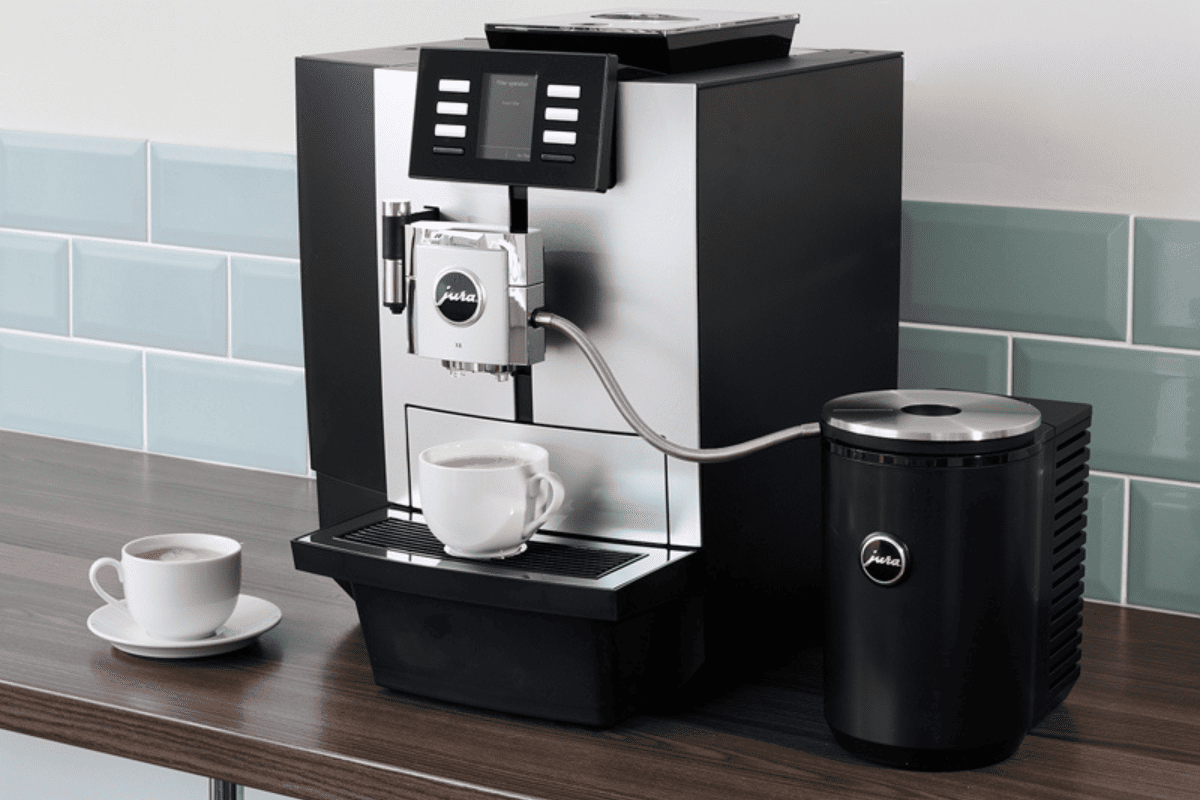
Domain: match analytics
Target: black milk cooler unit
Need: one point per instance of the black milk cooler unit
(954, 532)
(526, 241)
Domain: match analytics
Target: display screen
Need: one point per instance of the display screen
(506, 131)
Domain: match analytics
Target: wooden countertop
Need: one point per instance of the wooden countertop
(299, 714)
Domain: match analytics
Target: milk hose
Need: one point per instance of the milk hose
(701, 455)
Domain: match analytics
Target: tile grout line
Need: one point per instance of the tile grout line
(1125, 542)
(145, 408)
(70, 288)
(151, 349)
(140, 243)
(1114, 344)
(1012, 367)
(229, 307)
(148, 203)
(1129, 284)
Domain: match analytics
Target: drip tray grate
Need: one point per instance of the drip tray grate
(561, 560)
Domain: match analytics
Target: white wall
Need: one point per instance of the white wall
(1089, 104)
(1076, 104)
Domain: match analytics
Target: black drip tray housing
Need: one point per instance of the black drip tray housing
(570, 630)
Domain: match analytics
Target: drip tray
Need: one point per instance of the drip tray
(544, 558)
(394, 550)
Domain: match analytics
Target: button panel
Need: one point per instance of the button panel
(515, 117)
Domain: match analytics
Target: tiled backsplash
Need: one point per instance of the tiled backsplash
(150, 299)
(1098, 308)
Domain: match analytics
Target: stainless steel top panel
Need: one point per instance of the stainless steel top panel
(643, 22)
(931, 415)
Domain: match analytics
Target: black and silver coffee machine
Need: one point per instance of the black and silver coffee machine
(715, 213)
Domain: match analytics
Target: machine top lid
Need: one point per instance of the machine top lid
(931, 415)
(640, 22)
(665, 42)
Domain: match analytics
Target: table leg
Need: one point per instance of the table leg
(223, 790)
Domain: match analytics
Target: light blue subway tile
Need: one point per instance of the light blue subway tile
(242, 414)
(153, 296)
(1018, 269)
(71, 389)
(933, 359)
(224, 199)
(266, 311)
(1146, 404)
(73, 184)
(1166, 282)
(1105, 538)
(1164, 546)
(34, 283)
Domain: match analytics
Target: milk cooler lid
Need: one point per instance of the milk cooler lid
(931, 415)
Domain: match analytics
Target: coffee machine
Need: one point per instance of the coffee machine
(718, 213)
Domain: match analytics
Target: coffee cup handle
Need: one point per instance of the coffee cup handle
(553, 503)
(108, 598)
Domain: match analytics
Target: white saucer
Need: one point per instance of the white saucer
(251, 617)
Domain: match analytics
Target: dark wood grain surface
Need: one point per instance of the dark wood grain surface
(298, 713)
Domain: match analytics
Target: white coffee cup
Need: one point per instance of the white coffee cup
(179, 586)
(484, 498)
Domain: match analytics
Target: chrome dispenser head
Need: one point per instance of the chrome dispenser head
(474, 288)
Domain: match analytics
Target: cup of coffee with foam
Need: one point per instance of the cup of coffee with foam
(178, 586)
(485, 498)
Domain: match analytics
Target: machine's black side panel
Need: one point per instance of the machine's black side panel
(336, 169)
(799, 250)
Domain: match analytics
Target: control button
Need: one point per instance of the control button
(452, 109)
(559, 158)
(450, 131)
(564, 90)
(558, 137)
(560, 114)
(448, 151)
(451, 85)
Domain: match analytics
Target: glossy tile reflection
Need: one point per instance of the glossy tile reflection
(72, 390)
(1105, 538)
(1147, 404)
(33, 283)
(73, 184)
(935, 359)
(1166, 294)
(1164, 546)
(1018, 269)
(227, 412)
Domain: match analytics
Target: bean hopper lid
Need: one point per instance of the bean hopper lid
(931, 415)
(662, 41)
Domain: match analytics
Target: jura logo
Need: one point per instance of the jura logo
(884, 558)
(457, 297)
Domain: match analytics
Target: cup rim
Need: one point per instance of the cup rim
(529, 452)
(224, 545)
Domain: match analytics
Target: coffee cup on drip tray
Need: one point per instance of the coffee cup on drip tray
(485, 498)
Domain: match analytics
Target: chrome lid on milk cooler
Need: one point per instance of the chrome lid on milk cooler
(931, 415)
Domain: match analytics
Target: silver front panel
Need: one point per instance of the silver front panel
(621, 265)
